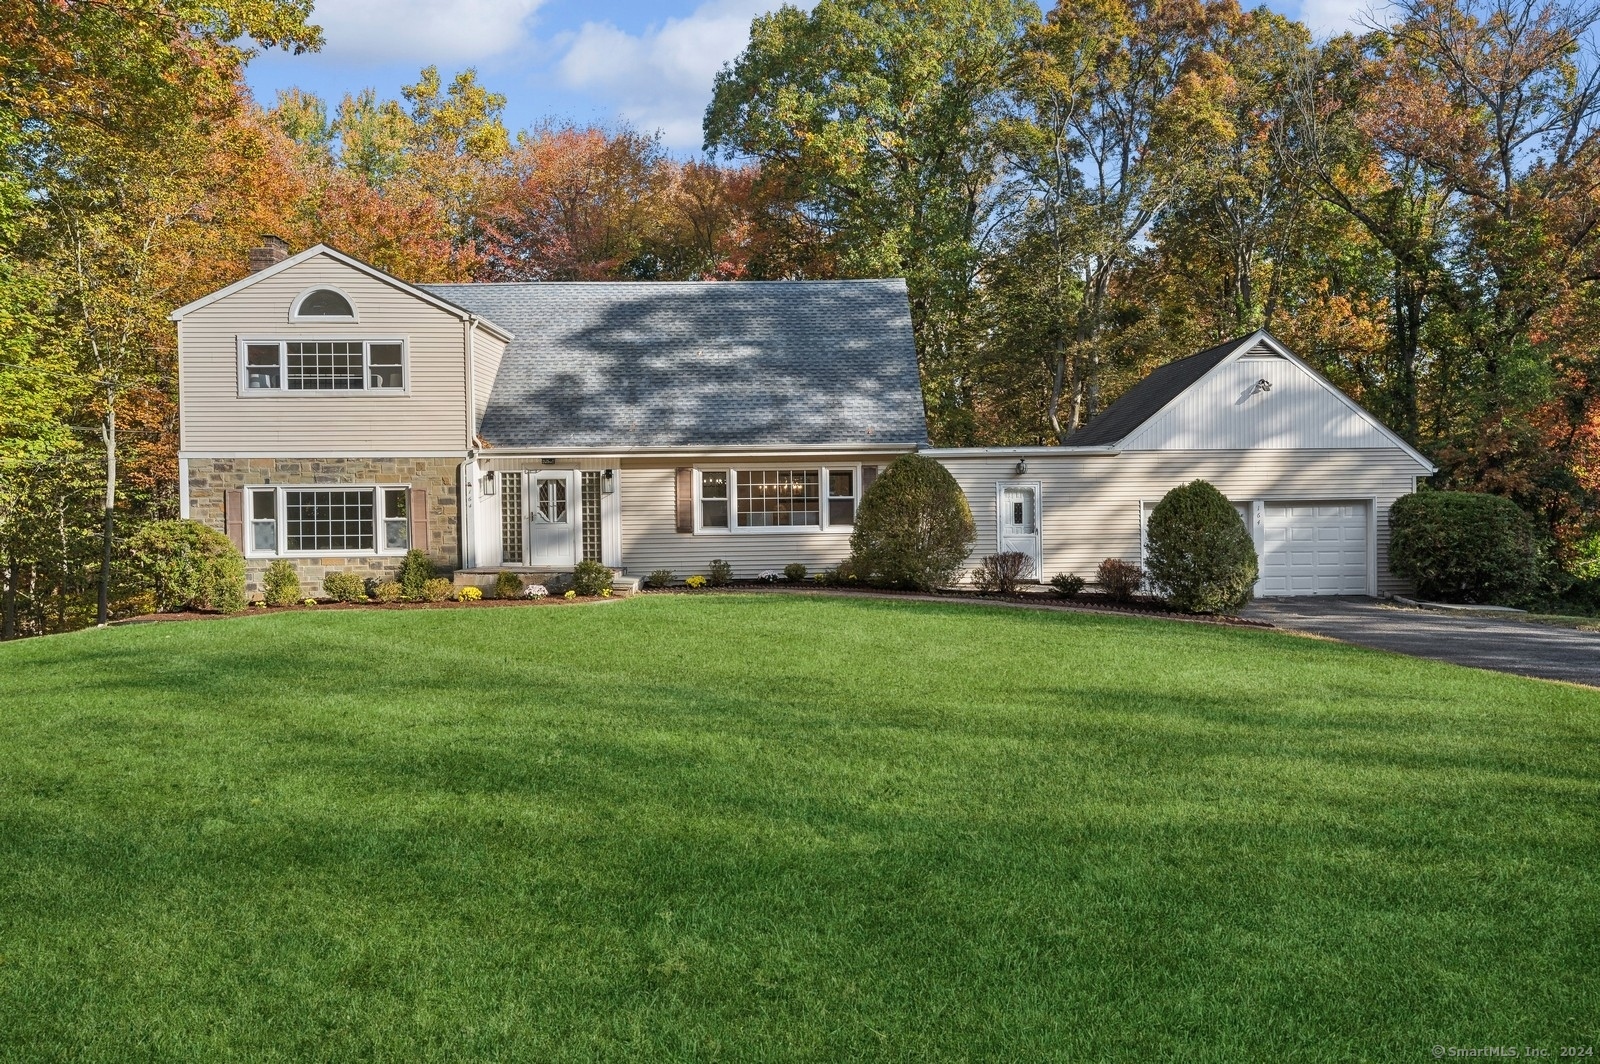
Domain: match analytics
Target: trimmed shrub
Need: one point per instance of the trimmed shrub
(1118, 580)
(415, 572)
(914, 528)
(1459, 546)
(469, 594)
(719, 573)
(1068, 585)
(188, 565)
(388, 591)
(439, 589)
(1201, 557)
(590, 578)
(1002, 572)
(660, 578)
(280, 585)
(507, 585)
(344, 587)
(794, 572)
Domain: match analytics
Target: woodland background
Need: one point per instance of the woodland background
(1074, 197)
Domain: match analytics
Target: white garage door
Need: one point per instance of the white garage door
(1314, 548)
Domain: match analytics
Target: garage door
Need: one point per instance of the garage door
(1314, 548)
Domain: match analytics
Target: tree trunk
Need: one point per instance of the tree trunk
(103, 610)
(8, 608)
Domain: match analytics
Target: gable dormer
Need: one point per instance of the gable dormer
(319, 353)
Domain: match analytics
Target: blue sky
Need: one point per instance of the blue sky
(647, 63)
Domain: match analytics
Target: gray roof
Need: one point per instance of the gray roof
(685, 364)
(1147, 398)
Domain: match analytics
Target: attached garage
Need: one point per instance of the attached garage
(1315, 548)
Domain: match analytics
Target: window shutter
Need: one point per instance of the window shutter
(233, 516)
(869, 473)
(419, 518)
(685, 500)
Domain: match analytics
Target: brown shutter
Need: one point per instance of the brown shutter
(233, 516)
(869, 473)
(685, 500)
(419, 518)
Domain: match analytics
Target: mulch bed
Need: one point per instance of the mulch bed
(1035, 600)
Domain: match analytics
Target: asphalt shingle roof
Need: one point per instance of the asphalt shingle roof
(684, 364)
(1145, 399)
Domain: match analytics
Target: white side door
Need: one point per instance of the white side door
(552, 534)
(1018, 522)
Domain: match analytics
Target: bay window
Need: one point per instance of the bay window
(322, 520)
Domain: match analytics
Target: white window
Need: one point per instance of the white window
(329, 520)
(278, 366)
(736, 500)
(322, 304)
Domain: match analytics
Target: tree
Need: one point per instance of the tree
(876, 119)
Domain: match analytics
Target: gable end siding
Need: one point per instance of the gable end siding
(216, 419)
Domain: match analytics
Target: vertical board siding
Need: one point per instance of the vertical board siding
(1225, 412)
(1090, 508)
(432, 417)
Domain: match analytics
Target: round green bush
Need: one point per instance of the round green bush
(1459, 546)
(914, 528)
(188, 565)
(415, 572)
(590, 578)
(280, 585)
(1200, 556)
(344, 587)
(507, 585)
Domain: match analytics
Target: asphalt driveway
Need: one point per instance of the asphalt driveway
(1488, 643)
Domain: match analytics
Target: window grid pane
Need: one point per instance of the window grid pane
(325, 365)
(779, 498)
(511, 517)
(329, 520)
(591, 515)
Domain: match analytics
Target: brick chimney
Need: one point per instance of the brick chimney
(273, 249)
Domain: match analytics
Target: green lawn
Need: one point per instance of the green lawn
(753, 828)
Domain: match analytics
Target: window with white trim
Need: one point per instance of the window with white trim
(329, 520)
(323, 304)
(323, 365)
(736, 500)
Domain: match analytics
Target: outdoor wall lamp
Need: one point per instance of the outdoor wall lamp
(609, 481)
(1022, 466)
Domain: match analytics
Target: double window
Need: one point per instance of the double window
(329, 520)
(323, 366)
(738, 499)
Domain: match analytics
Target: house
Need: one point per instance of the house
(332, 414)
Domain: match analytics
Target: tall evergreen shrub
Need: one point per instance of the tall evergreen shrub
(914, 528)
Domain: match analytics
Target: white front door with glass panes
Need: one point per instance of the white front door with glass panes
(1019, 522)
(552, 538)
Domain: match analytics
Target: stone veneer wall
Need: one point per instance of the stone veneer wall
(210, 477)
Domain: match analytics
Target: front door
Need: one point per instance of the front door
(1019, 522)
(551, 539)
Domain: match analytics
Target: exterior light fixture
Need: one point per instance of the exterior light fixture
(1022, 466)
(608, 483)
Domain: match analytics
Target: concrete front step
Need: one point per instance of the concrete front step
(483, 578)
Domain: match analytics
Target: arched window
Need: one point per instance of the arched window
(322, 304)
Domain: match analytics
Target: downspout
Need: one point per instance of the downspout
(466, 545)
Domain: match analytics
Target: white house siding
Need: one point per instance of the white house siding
(649, 521)
(1226, 411)
(216, 420)
(487, 350)
(1091, 505)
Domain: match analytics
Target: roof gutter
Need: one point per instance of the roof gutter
(1067, 451)
(556, 451)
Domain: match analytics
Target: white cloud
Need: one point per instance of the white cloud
(421, 31)
(1327, 17)
(661, 78)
